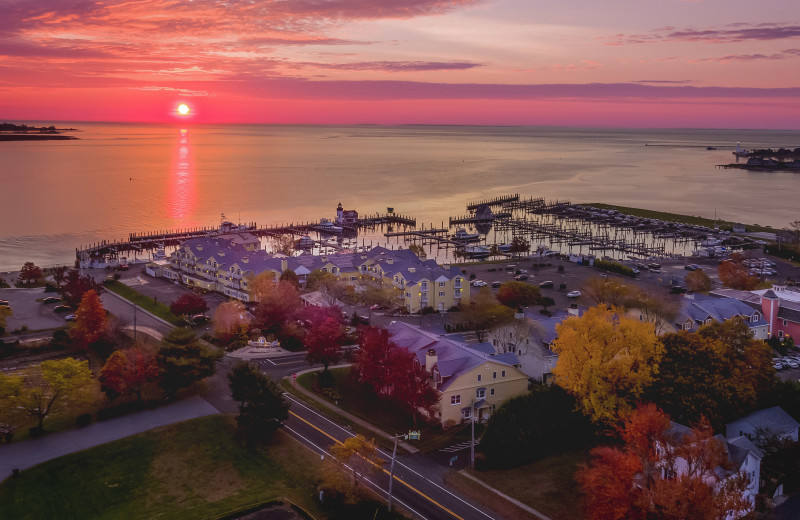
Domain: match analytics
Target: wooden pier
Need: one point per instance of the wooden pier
(472, 206)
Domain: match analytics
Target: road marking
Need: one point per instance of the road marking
(385, 454)
(398, 479)
(270, 361)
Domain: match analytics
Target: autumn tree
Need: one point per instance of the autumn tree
(418, 250)
(75, 286)
(59, 274)
(52, 386)
(189, 304)
(277, 305)
(228, 318)
(374, 346)
(484, 312)
(606, 291)
(262, 408)
(129, 371)
(291, 277)
(631, 481)
(410, 384)
(518, 294)
(283, 244)
(327, 284)
(5, 312)
(606, 360)
(510, 336)
(519, 244)
(697, 281)
(183, 360)
(734, 274)
(323, 341)
(91, 323)
(30, 273)
(362, 457)
(11, 415)
(658, 309)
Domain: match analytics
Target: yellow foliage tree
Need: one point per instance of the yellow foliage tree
(229, 318)
(363, 459)
(4, 312)
(606, 360)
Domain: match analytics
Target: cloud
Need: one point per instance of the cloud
(665, 81)
(183, 91)
(393, 66)
(782, 55)
(737, 32)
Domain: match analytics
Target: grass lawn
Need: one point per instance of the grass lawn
(385, 415)
(547, 485)
(675, 217)
(145, 302)
(189, 470)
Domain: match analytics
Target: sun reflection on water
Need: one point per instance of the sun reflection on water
(182, 202)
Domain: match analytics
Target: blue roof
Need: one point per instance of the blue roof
(719, 309)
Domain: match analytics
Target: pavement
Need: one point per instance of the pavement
(25, 454)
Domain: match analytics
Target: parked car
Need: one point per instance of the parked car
(496, 284)
(51, 299)
(677, 289)
(5, 303)
(635, 271)
(574, 294)
(70, 317)
(62, 308)
(200, 318)
(546, 284)
(777, 365)
(790, 362)
(478, 283)
(521, 277)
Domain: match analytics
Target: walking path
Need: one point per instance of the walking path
(24, 454)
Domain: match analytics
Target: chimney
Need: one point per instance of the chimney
(412, 269)
(430, 360)
(325, 258)
(245, 260)
(363, 256)
(199, 247)
(221, 252)
(446, 265)
(390, 260)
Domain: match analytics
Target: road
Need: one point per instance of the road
(418, 485)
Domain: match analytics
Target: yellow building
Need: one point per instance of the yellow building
(472, 381)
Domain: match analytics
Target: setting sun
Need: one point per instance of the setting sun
(183, 109)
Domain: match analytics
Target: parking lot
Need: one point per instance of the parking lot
(29, 312)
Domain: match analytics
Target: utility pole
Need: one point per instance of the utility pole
(391, 472)
(135, 307)
(472, 444)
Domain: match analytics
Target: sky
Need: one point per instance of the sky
(616, 63)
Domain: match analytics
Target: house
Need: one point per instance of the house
(472, 380)
(319, 299)
(780, 307)
(698, 309)
(743, 458)
(346, 217)
(773, 419)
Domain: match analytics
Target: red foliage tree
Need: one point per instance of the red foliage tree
(29, 273)
(733, 273)
(323, 340)
(128, 371)
(189, 303)
(374, 347)
(75, 286)
(277, 305)
(91, 323)
(518, 294)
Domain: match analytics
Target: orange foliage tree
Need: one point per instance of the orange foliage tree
(662, 471)
(128, 371)
(733, 273)
(229, 318)
(91, 321)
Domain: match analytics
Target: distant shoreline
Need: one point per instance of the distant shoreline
(35, 137)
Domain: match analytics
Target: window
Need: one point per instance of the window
(455, 399)
(457, 293)
(708, 321)
(479, 378)
(441, 284)
(466, 413)
(441, 293)
(494, 375)
(491, 391)
(785, 322)
(780, 333)
(480, 393)
(503, 373)
(754, 318)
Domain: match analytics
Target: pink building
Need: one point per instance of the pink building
(779, 305)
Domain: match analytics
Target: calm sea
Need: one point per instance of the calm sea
(123, 178)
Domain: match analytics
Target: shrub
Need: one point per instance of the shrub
(472, 276)
(36, 432)
(84, 419)
(614, 267)
(560, 268)
(427, 310)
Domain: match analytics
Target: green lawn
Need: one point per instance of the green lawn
(547, 485)
(676, 217)
(189, 470)
(145, 302)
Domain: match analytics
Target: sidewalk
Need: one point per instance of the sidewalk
(350, 417)
(24, 454)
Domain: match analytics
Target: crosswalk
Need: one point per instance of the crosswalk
(458, 447)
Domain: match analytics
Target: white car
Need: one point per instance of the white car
(790, 362)
(478, 283)
(574, 294)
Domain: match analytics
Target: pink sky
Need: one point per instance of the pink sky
(654, 63)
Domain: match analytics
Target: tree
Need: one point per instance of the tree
(519, 244)
(4, 313)
(485, 312)
(52, 386)
(59, 274)
(605, 291)
(361, 455)
(128, 372)
(326, 283)
(733, 273)
(291, 277)
(262, 408)
(228, 318)
(278, 305)
(533, 426)
(630, 482)
(697, 281)
(11, 415)
(374, 346)
(510, 336)
(283, 244)
(410, 384)
(518, 294)
(323, 340)
(75, 286)
(418, 250)
(30, 273)
(660, 310)
(606, 360)
(183, 360)
(91, 323)
(189, 304)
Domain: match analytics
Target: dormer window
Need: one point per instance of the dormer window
(754, 318)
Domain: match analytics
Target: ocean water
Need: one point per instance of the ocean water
(121, 178)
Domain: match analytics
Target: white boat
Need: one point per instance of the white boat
(461, 235)
(477, 251)
(326, 226)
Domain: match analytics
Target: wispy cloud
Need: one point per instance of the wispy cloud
(393, 66)
(782, 55)
(737, 32)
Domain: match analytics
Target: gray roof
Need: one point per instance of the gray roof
(774, 418)
(717, 308)
(453, 358)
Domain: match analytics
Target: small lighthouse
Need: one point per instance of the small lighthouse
(339, 214)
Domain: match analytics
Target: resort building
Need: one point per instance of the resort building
(471, 379)
(698, 310)
(780, 307)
